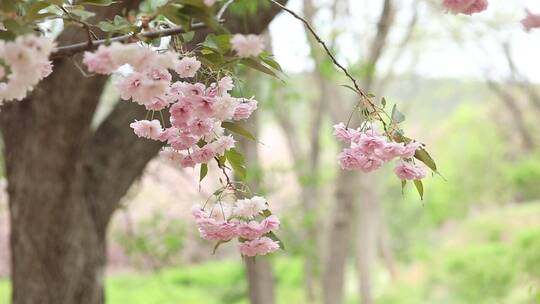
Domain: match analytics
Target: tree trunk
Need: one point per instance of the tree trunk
(339, 237)
(367, 242)
(65, 180)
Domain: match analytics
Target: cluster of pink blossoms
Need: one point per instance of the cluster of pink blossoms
(467, 7)
(224, 223)
(196, 110)
(530, 21)
(369, 150)
(25, 62)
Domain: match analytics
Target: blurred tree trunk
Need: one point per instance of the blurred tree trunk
(65, 179)
(516, 114)
(259, 271)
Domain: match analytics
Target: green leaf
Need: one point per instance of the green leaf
(203, 172)
(97, 2)
(83, 14)
(238, 129)
(270, 61)
(118, 25)
(422, 155)
(397, 116)
(420, 188)
(257, 65)
(237, 162)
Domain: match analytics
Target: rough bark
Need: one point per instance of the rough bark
(65, 181)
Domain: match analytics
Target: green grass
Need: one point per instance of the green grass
(210, 283)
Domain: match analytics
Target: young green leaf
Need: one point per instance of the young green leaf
(238, 129)
(237, 162)
(203, 172)
(420, 188)
(423, 156)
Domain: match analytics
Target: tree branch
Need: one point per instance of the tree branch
(73, 49)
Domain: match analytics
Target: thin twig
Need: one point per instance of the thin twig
(364, 97)
(73, 49)
(326, 49)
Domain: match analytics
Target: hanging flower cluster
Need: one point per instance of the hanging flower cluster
(249, 220)
(195, 135)
(23, 63)
(530, 21)
(369, 150)
(467, 7)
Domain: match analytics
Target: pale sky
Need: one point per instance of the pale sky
(437, 52)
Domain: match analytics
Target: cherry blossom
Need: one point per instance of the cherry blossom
(467, 7)
(260, 246)
(247, 46)
(243, 220)
(27, 60)
(409, 171)
(187, 67)
(530, 21)
(147, 129)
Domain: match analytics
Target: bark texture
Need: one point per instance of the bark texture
(65, 180)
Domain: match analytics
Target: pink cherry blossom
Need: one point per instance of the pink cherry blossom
(213, 229)
(222, 144)
(203, 155)
(187, 162)
(247, 45)
(342, 133)
(410, 149)
(224, 85)
(260, 246)
(253, 229)
(355, 159)
(249, 207)
(409, 171)
(467, 7)
(147, 129)
(187, 67)
(531, 21)
(100, 61)
(27, 60)
(244, 109)
(368, 142)
(390, 151)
